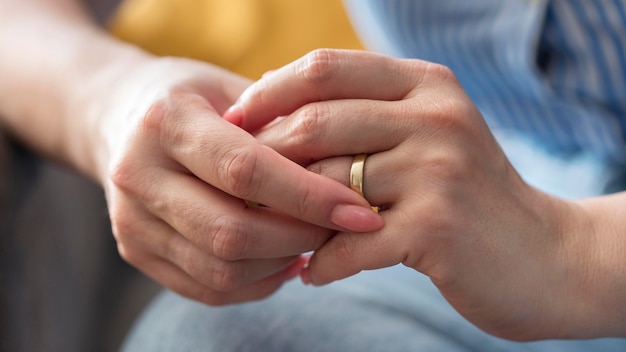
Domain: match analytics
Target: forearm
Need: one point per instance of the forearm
(54, 58)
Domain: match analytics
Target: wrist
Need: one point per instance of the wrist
(94, 101)
(561, 292)
(49, 77)
(597, 250)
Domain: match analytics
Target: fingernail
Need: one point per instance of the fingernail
(292, 273)
(356, 218)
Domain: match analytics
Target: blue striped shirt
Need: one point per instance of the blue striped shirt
(554, 70)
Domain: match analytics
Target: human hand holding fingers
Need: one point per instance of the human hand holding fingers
(176, 174)
(134, 122)
(500, 251)
(204, 244)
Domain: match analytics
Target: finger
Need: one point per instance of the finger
(150, 235)
(170, 276)
(382, 184)
(319, 130)
(222, 225)
(323, 75)
(213, 272)
(232, 160)
(347, 254)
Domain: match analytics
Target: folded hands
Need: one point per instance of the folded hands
(451, 206)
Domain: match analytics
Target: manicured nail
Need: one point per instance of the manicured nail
(356, 218)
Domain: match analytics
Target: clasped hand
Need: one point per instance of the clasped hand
(453, 206)
(176, 175)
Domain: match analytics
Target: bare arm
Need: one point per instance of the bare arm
(53, 57)
(174, 172)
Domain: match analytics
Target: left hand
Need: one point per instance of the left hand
(500, 251)
(175, 175)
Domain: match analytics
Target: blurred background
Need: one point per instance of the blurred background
(245, 36)
(63, 285)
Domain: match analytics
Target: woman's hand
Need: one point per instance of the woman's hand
(176, 175)
(509, 258)
(174, 172)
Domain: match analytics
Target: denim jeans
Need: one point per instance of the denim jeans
(393, 309)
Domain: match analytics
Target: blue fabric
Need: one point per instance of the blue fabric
(394, 309)
(554, 70)
(388, 310)
(549, 79)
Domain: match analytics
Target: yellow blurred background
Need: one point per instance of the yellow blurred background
(246, 36)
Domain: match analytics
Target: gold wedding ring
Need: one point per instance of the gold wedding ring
(356, 175)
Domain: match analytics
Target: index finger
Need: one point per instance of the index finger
(323, 74)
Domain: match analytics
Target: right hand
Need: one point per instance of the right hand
(516, 262)
(176, 175)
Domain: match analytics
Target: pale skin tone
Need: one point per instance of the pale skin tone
(175, 174)
(513, 260)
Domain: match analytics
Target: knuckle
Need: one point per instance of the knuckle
(229, 241)
(319, 65)
(420, 71)
(227, 276)
(303, 206)
(154, 119)
(167, 121)
(451, 166)
(125, 170)
(125, 175)
(120, 175)
(129, 255)
(163, 124)
(438, 71)
(344, 250)
(238, 171)
(456, 113)
(122, 224)
(434, 75)
(309, 124)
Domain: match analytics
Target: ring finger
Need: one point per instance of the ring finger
(381, 185)
(174, 278)
(154, 236)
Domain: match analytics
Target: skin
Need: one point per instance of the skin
(175, 174)
(516, 262)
